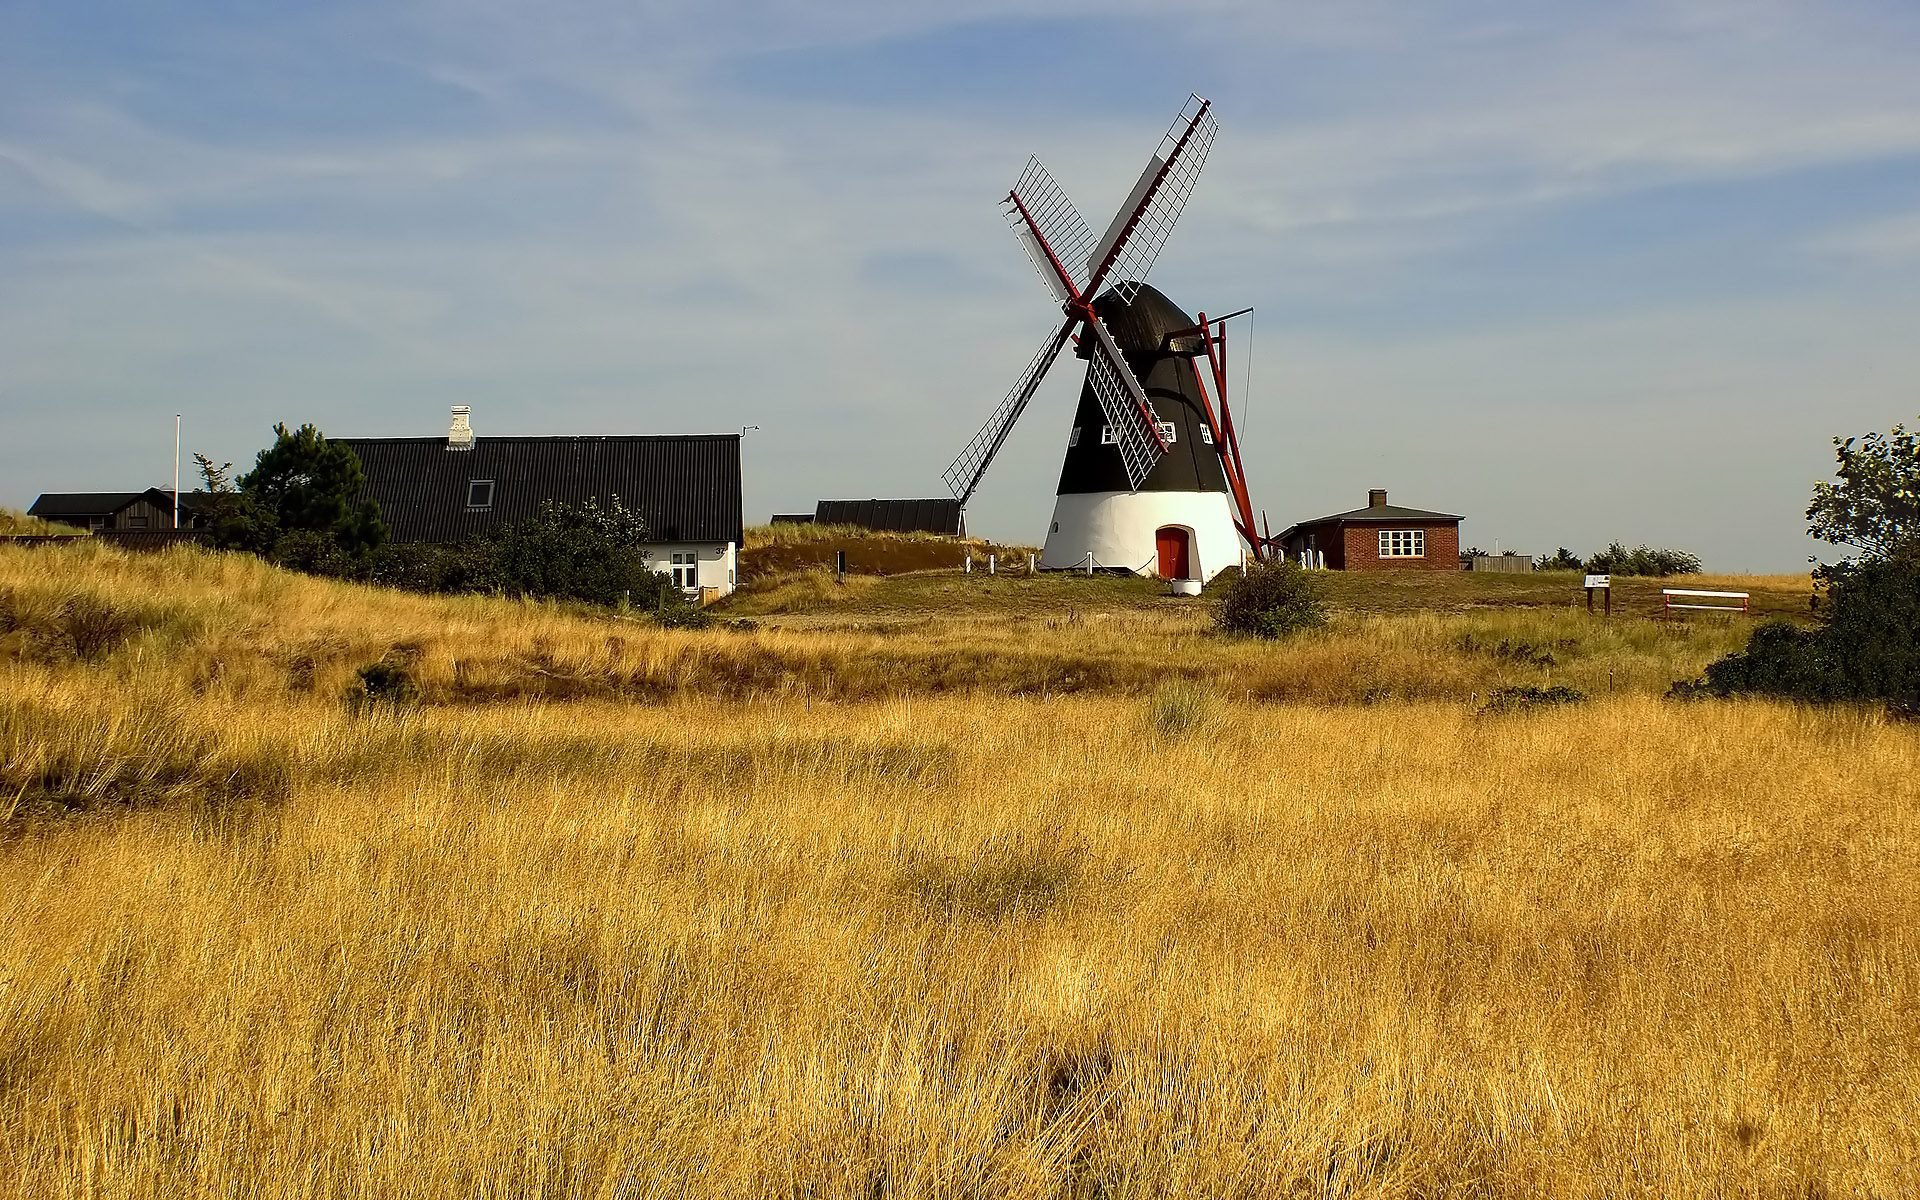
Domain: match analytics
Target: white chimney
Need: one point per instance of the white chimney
(460, 435)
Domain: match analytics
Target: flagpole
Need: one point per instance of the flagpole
(176, 470)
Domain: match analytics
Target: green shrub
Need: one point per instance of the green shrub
(1271, 600)
(386, 683)
(1867, 649)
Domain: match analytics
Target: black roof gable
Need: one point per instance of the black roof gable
(686, 487)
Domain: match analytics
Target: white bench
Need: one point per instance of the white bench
(1689, 597)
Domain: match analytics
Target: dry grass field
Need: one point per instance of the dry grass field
(1040, 901)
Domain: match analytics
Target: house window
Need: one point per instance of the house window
(1073, 437)
(685, 570)
(96, 523)
(136, 522)
(1166, 431)
(1206, 434)
(479, 493)
(1403, 543)
(1107, 437)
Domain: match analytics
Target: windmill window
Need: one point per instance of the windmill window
(1166, 431)
(1206, 434)
(1107, 435)
(1073, 437)
(1403, 543)
(479, 494)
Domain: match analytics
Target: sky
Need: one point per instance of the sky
(1578, 272)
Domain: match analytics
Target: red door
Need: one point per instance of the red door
(1171, 541)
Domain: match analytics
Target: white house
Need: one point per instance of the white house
(685, 486)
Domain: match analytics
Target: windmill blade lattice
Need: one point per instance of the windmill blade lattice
(971, 464)
(1058, 223)
(1182, 153)
(1128, 411)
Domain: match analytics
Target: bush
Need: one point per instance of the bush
(1271, 600)
(573, 552)
(1868, 649)
(1562, 559)
(1616, 559)
(1520, 699)
(386, 683)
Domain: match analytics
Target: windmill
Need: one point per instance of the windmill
(1152, 481)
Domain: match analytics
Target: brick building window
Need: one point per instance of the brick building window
(1403, 543)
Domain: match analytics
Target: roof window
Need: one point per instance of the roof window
(479, 494)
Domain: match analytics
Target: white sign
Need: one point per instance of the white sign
(1599, 581)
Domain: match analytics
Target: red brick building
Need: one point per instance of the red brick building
(1379, 537)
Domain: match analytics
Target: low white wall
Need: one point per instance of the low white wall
(1119, 527)
(716, 565)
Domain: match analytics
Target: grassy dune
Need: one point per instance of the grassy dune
(1152, 937)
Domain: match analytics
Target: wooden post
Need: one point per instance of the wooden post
(839, 566)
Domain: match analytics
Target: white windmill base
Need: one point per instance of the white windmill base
(1121, 531)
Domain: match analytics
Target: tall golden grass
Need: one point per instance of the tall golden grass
(1164, 940)
(231, 625)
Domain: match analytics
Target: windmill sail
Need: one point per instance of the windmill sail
(1145, 222)
(1050, 228)
(965, 474)
(1124, 403)
(1073, 263)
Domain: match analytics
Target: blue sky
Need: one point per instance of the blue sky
(1577, 272)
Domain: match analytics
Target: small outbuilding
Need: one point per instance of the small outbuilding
(1379, 537)
(940, 516)
(119, 512)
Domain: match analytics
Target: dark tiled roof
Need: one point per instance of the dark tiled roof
(687, 488)
(1386, 512)
(81, 504)
(892, 516)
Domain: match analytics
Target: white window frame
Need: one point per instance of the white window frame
(474, 483)
(685, 569)
(1073, 437)
(1206, 434)
(1403, 543)
(1107, 436)
(1166, 431)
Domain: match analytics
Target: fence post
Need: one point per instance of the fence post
(991, 566)
(1089, 562)
(839, 566)
(966, 565)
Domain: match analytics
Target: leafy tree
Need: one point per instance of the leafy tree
(579, 552)
(1562, 559)
(1875, 504)
(1867, 649)
(1272, 600)
(305, 484)
(233, 521)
